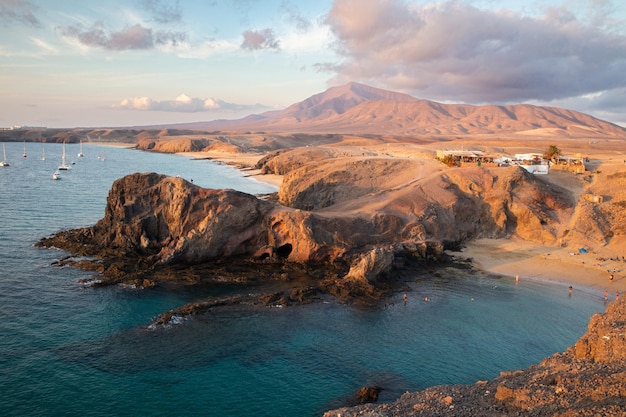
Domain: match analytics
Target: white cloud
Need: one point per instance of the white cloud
(44, 46)
(316, 39)
(184, 104)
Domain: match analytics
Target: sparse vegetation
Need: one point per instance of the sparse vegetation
(448, 160)
(552, 153)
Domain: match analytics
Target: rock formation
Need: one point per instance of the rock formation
(589, 379)
(356, 221)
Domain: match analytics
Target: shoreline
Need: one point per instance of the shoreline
(565, 266)
(588, 271)
(112, 144)
(245, 163)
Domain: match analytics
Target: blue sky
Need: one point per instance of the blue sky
(68, 63)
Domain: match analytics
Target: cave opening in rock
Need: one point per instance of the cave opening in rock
(284, 250)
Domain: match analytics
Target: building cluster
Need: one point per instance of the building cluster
(18, 127)
(534, 163)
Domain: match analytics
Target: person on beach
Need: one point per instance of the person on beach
(617, 295)
(606, 295)
(570, 290)
(406, 297)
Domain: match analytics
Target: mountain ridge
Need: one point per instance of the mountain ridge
(355, 108)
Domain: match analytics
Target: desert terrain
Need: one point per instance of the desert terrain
(558, 258)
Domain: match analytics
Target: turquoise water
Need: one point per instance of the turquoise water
(71, 350)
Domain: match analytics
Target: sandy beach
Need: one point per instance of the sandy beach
(244, 162)
(588, 271)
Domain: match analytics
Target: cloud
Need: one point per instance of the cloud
(131, 37)
(163, 12)
(260, 39)
(45, 47)
(455, 51)
(22, 11)
(183, 104)
(294, 16)
(606, 105)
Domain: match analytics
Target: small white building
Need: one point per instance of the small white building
(532, 162)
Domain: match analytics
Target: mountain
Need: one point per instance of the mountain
(360, 109)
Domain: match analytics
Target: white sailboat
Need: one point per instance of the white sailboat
(80, 152)
(4, 162)
(64, 166)
(24, 153)
(43, 155)
(56, 175)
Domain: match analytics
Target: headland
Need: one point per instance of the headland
(356, 208)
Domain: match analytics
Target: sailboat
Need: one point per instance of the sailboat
(64, 166)
(56, 175)
(4, 162)
(24, 153)
(43, 155)
(80, 152)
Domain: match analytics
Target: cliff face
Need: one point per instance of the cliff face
(379, 212)
(172, 220)
(177, 221)
(589, 379)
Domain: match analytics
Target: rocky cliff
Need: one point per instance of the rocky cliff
(589, 379)
(356, 223)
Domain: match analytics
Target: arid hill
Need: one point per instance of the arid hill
(359, 109)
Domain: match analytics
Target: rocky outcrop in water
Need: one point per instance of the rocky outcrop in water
(153, 221)
(589, 379)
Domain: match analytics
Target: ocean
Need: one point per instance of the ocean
(67, 349)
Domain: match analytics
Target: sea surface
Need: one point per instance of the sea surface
(68, 349)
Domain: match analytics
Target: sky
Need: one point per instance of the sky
(93, 63)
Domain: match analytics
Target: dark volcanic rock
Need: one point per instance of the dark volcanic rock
(368, 394)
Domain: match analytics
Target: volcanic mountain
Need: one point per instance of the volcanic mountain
(355, 108)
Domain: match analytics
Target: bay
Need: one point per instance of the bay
(72, 350)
